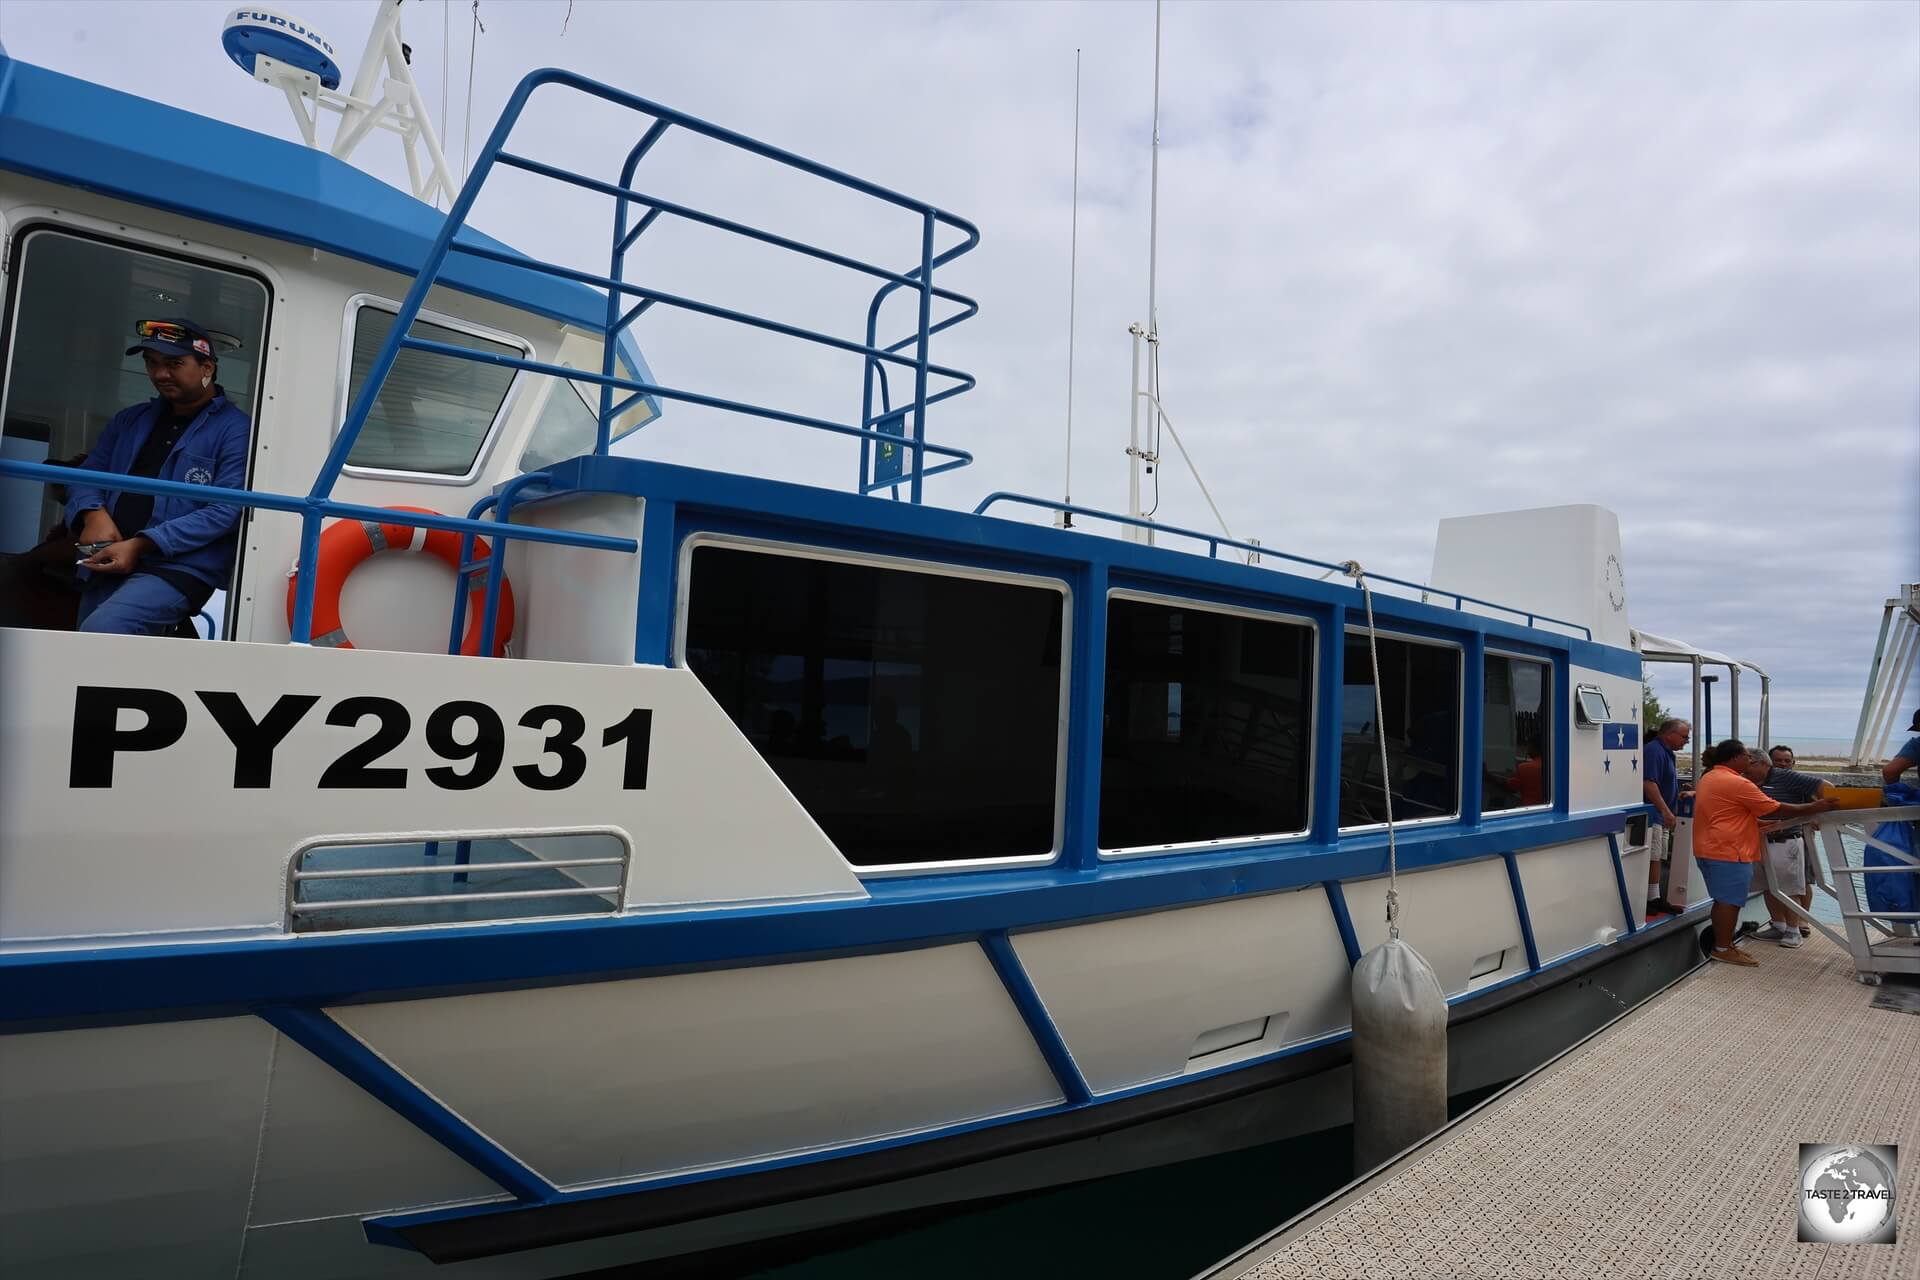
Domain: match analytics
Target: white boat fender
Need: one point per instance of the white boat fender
(1399, 1010)
(1399, 1053)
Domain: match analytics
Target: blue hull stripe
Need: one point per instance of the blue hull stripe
(1526, 917)
(201, 979)
(328, 1041)
(1046, 1036)
(1620, 878)
(1343, 920)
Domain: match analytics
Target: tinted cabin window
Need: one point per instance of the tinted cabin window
(1420, 690)
(434, 412)
(1207, 727)
(1516, 770)
(916, 716)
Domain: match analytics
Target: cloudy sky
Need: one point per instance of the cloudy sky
(1416, 260)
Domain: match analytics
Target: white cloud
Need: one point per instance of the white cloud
(1416, 260)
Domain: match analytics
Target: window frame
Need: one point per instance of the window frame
(343, 389)
(1460, 734)
(683, 590)
(1551, 728)
(1125, 852)
(134, 239)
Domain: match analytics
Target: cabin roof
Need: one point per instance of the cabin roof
(76, 133)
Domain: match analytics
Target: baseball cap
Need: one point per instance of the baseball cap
(174, 337)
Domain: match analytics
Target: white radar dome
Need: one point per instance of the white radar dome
(251, 32)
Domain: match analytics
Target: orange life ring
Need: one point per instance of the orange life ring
(345, 543)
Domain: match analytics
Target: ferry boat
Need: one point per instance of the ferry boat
(746, 857)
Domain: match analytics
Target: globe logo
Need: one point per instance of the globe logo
(1847, 1193)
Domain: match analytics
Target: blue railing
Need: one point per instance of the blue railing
(885, 439)
(1215, 541)
(624, 238)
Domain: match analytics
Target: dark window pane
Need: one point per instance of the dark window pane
(1518, 726)
(1207, 734)
(1420, 690)
(916, 716)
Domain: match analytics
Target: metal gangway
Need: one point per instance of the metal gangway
(1881, 942)
(1894, 655)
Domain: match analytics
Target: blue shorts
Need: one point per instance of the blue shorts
(1727, 881)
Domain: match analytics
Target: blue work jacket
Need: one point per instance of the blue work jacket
(194, 537)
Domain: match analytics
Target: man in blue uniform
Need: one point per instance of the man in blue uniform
(1660, 787)
(151, 562)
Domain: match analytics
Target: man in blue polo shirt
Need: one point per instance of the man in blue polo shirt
(150, 562)
(1660, 787)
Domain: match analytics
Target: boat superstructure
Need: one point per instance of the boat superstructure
(802, 856)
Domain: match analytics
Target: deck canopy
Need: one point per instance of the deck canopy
(1655, 648)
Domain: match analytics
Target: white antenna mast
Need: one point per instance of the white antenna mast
(1150, 456)
(294, 58)
(1073, 282)
(1153, 213)
(1135, 456)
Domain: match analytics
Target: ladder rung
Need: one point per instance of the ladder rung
(627, 241)
(972, 310)
(634, 312)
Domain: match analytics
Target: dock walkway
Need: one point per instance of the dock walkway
(1666, 1146)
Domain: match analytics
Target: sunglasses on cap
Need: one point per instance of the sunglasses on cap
(170, 331)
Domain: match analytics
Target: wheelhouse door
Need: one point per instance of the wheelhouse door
(71, 308)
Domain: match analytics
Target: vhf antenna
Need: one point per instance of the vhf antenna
(1150, 456)
(1151, 334)
(1073, 282)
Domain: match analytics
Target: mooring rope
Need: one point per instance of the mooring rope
(1359, 575)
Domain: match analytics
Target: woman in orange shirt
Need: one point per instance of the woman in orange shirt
(1727, 812)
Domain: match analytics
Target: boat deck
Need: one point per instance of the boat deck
(1666, 1145)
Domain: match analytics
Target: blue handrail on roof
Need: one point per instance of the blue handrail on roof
(889, 429)
(1215, 541)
